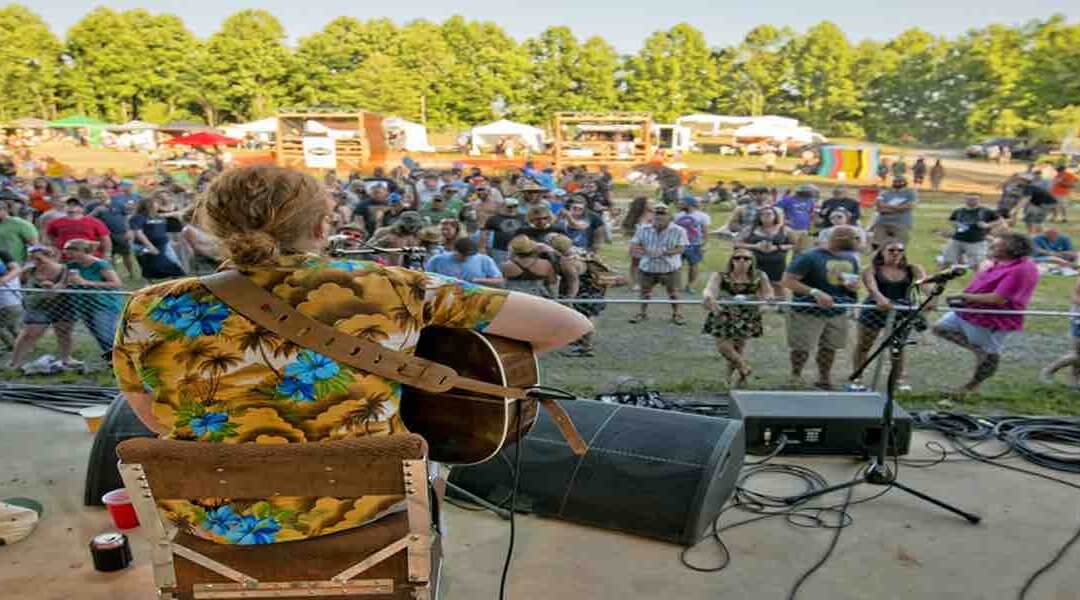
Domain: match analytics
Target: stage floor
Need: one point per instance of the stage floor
(898, 547)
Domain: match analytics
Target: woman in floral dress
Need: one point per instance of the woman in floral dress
(193, 369)
(734, 324)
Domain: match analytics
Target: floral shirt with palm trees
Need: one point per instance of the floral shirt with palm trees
(215, 376)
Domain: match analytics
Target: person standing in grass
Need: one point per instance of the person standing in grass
(937, 175)
(696, 223)
(820, 279)
(733, 324)
(1072, 358)
(1007, 284)
(660, 245)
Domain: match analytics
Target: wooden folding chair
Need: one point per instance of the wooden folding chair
(399, 555)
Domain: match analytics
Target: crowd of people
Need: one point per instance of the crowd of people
(66, 242)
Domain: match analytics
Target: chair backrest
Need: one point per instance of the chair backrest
(348, 468)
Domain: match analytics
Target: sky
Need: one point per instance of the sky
(624, 23)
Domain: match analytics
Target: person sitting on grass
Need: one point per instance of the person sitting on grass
(1070, 359)
(1055, 248)
(734, 324)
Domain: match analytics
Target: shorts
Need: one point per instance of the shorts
(668, 280)
(990, 341)
(47, 314)
(693, 254)
(1035, 215)
(973, 252)
(121, 246)
(888, 232)
(805, 330)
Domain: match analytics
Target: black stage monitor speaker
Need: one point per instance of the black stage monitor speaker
(656, 473)
(818, 422)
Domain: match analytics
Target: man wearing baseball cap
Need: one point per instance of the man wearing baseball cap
(500, 229)
(895, 213)
(696, 223)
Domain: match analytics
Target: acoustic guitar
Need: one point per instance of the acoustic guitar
(462, 427)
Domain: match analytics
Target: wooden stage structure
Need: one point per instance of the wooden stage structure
(601, 138)
(359, 138)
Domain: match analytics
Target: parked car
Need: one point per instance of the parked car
(990, 147)
(1020, 148)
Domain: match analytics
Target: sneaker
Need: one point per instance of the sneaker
(72, 364)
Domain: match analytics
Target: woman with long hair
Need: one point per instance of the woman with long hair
(889, 279)
(42, 308)
(150, 231)
(770, 241)
(734, 324)
(97, 305)
(639, 213)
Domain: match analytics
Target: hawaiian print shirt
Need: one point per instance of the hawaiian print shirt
(217, 377)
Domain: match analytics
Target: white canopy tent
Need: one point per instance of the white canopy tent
(490, 134)
(779, 132)
(414, 134)
(263, 128)
(719, 124)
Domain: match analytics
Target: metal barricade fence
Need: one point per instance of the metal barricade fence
(71, 331)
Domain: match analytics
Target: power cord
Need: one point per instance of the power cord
(513, 504)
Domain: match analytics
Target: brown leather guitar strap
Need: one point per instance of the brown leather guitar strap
(274, 314)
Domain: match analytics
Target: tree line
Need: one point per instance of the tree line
(122, 65)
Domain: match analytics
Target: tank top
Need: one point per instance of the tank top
(894, 290)
(738, 288)
(526, 273)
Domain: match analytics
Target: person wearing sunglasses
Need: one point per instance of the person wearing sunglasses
(889, 280)
(732, 323)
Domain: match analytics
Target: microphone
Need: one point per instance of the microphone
(944, 276)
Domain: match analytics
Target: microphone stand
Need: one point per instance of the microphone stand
(878, 472)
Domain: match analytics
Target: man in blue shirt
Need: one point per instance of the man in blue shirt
(1054, 247)
(798, 214)
(467, 264)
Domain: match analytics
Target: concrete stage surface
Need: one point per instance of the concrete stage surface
(898, 547)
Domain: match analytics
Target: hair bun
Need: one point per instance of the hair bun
(251, 247)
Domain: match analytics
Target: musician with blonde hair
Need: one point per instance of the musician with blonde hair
(193, 368)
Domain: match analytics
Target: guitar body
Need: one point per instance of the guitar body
(461, 427)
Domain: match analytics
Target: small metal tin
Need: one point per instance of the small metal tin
(110, 551)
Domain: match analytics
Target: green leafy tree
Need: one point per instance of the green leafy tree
(1051, 72)
(29, 64)
(991, 62)
(566, 75)
(326, 61)
(108, 62)
(489, 72)
(756, 71)
(244, 68)
(674, 73)
(821, 87)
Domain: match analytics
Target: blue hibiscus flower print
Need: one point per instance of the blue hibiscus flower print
(296, 389)
(311, 367)
(346, 265)
(207, 318)
(208, 423)
(220, 520)
(251, 531)
(172, 308)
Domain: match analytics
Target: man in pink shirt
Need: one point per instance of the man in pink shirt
(1006, 285)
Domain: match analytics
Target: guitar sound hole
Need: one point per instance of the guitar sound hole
(283, 318)
(354, 351)
(329, 342)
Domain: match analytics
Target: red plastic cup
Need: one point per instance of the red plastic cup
(120, 509)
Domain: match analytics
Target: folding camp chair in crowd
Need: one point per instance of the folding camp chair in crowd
(398, 556)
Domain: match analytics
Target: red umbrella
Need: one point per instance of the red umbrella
(203, 138)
